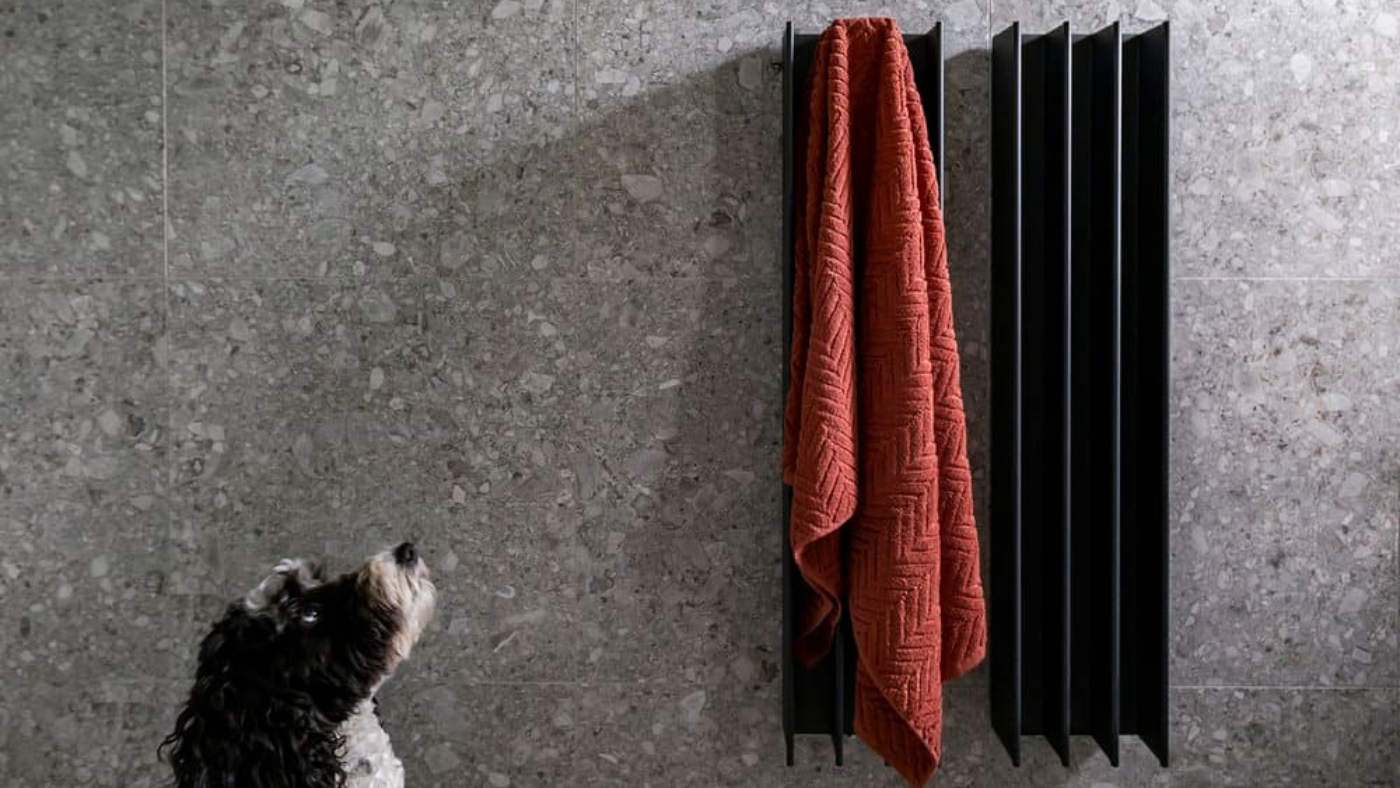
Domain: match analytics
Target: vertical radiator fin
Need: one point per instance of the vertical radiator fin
(1146, 358)
(1045, 427)
(1005, 620)
(1097, 157)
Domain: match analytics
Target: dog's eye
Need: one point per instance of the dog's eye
(310, 614)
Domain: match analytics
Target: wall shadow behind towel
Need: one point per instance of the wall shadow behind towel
(727, 414)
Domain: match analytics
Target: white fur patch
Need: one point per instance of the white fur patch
(369, 759)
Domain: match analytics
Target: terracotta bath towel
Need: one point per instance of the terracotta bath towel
(874, 440)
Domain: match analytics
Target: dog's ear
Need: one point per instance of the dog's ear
(289, 577)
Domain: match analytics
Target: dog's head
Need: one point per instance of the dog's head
(294, 658)
(341, 636)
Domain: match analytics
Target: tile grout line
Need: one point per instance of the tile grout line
(331, 280)
(1358, 278)
(661, 682)
(1283, 687)
(575, 61)
(164, 151)
(197, 276)
(168, 466)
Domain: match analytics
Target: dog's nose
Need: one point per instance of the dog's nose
(406, 553)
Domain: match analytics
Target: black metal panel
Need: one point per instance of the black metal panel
(1058, 70)
(1146, 358)
(821, 700)
(789, 104)
(926, 58)
(1034, 408)
(1005, 615)
(1079, 391)
(814, 699)
(1096, 239)
(1045, 428)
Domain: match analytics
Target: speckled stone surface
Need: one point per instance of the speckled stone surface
(94, 591)
(1285, 737)
(1284, 476)
(503, 278)
(80, 138)
(85, 398)
(98, 732)
(368, 140)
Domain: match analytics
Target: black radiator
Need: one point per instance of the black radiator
(1078, 586)
(1080, 317)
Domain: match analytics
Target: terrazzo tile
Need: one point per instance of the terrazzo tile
(542, 594)
(680, 170)
(82, 734)
(684, 180)
(1281, 135)
(148, 716)
(571, 392)
(679, 397)
(358, 403)
(80, 139)
(967, 164)
(92, 589)
(972, 323)
(640, 735)
(1283, 152)
(1283, 483)
(632, 51)
(363, 140)
(84, 403)
(1285, 737)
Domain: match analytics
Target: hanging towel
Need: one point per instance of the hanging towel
(875, 444)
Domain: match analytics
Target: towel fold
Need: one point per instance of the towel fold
(875, 443)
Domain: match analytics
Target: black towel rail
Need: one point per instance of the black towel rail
(1080, 319)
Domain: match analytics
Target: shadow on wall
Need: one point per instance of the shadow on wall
(586, 442)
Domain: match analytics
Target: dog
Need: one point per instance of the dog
(284, 690)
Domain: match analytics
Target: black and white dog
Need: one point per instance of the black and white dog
(284, 691)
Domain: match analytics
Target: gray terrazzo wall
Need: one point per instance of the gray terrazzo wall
(307, 277)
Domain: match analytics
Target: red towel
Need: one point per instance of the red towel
(875, 444)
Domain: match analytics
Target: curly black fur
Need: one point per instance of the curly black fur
(274, 684)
